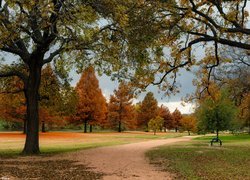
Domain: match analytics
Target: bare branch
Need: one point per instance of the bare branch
(169, 71)
(219, 8)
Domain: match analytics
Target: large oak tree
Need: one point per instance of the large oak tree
(37, 32)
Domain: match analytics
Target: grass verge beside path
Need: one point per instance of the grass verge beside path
(11, 144)
(198, 160)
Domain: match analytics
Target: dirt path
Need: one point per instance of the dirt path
(124, 161)
(109, 163)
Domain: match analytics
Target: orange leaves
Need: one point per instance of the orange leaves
(177, 116)
(148, 110)
(188, 123)
(245, 110)
(91, 105)
(167, 116)
(120, 109)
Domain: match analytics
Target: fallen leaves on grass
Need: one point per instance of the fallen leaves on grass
(56, 169)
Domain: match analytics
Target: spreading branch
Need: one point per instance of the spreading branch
(13, 73)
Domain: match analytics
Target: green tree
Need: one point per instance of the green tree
(156, 124)
(216, 113)
(148, 110)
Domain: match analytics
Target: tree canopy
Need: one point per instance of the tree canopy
(156, 124)
(216, 113)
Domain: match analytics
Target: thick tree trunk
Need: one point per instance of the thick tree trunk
(43, 127)
(176, 129)
(85, 126)
(90, 128)
(189, 133)
(31, 94)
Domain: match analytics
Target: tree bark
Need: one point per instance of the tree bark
(31, 94)
(85, 126)
(248, 127)
(217, 133)
(90, 128)
(43, 127)
(24, 126)
(119, 127)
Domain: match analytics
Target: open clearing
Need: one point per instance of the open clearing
(198, 160)
(54, 142)
(125, 161)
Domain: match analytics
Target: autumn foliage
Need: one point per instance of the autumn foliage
(91, 106)
(121, 113)
(177, 116)
(156, 124)
(13, 104)
(188, 123)
(148, 110)
(167, 116)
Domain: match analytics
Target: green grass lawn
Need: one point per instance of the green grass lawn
(57, 142)
(198, 160)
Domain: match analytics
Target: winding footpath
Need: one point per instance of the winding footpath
(124, 161)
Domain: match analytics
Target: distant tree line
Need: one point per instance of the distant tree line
(64, 106)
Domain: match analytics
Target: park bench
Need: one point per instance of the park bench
(216, 140)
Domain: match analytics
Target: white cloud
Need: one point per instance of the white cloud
(188, 108)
